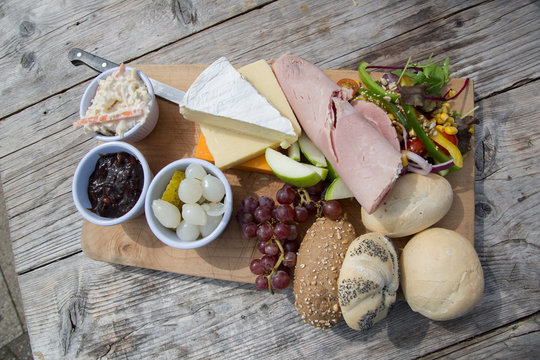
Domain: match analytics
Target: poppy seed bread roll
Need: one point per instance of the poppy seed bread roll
(319, 259)
(368, 280)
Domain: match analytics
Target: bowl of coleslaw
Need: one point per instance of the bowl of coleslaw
(119, 105)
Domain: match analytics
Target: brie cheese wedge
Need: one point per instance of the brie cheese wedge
(223, 98)
(224, 144)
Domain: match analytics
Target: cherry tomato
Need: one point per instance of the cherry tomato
(349, 84)
(416, 146)
(453, 139)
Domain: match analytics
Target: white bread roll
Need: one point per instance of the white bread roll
(368, 280)
(441, 275)
(415, 203)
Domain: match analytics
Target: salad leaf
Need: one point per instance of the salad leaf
(431, 73)
(417, 96)
(427, 81)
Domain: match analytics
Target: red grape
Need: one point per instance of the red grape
(255, 267)
(266, 202)
(301, 214)
(332, 209)
(311, 207)
(268, 262)
(315, 189)
(249, 204)
(271, 248)
(260, 246)
(289, 259)
(293, 232)
(281, 231)
(265, 232)
(285, 195)
(284, 213)
(243, 217)
(290, 246)
(249, 230)
(280, 280)
(261, 282)
(262, 214)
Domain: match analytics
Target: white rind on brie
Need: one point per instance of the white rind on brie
(222, 97)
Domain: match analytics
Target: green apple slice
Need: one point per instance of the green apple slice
(294, 151)
(291, 171)
(332, 174)
(338, 190)
(311, 152)
(323, 172)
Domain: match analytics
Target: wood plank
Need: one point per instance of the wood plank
(228, 258)
(485, 40)
(35, 35)
(518, 340)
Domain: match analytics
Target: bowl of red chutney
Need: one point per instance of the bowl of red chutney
(110, 184)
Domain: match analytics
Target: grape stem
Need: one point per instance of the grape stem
(278, 263)
(304, 196)
(306, 199)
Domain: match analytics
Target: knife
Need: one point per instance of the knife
(79, 57)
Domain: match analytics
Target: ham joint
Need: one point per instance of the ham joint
(357, 140)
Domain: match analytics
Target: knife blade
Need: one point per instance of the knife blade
(81, 57)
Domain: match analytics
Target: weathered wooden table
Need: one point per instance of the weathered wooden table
(76, 307)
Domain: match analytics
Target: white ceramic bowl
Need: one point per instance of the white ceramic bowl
(156, 189)
(86, 168)
(139, 131)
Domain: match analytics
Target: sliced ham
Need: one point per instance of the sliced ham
(366, 161)
(379, 119)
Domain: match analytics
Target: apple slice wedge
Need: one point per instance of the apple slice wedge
(311, 152)
(332, 174)
(323, 172)
(294, 151)
(291, 171)
(338, 190)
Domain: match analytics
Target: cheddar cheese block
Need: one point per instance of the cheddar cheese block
(257, 164)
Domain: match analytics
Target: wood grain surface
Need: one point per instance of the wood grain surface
(228, 258)
(76, 307)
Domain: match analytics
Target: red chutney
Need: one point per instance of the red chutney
(115, 185)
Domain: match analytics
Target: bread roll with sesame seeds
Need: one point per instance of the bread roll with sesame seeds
(319, 259)
(368, 280)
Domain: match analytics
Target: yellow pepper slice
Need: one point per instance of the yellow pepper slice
(448, 145)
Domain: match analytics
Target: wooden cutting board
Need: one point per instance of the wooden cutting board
(228, 257)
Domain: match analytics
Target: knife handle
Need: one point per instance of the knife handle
(79, 57)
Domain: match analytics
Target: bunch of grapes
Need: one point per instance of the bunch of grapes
(274, 226)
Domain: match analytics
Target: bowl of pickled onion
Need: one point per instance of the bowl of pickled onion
(188, 203)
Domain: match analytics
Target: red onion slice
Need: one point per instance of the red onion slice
(442, 166)
(420, 166)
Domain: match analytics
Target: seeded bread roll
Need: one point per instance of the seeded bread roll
(317, 268)
(368, 280)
